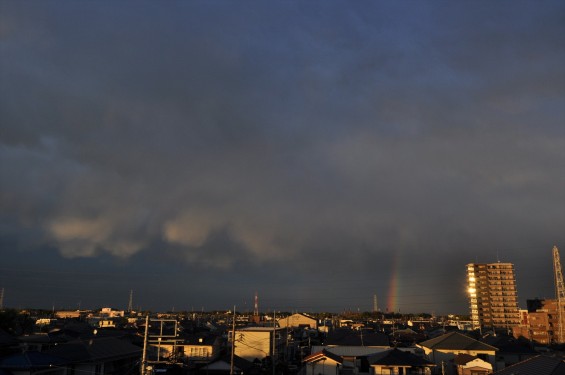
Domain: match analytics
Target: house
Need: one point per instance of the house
(8, 343)
(324, 362)
(201, 347)
(40, 342)
(470, 365)
(298, 321)
(395, 361)
(406, 337)
(33, 362)
(540, 365)
(510, 350)
(354, 346)
(196, 348)
(98, 355)
(349, 343)
(443, 349)
(363, 338)
(222, 366)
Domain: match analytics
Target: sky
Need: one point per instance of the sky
(318, 154)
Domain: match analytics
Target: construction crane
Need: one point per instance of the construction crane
(559, 291)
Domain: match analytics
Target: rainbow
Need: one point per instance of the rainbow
(392, 299)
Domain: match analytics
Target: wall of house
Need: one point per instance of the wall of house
(439, 356)
(191, 352)
(388, 370)
(473, 371)
(297, 320)
(323, 367)
(475, 367)
(253, 344)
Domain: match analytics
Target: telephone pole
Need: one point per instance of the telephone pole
(232, 341)
(144, 356)
(274, 339)
(256, 306)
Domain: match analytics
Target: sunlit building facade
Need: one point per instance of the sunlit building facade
(541, 322)
(493, 297)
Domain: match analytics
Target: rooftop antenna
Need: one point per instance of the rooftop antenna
(497, 258)
(559, 290)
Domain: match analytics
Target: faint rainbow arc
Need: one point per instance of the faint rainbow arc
(392, 299)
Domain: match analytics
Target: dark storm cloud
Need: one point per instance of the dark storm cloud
(286, 138)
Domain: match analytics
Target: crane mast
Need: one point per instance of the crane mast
(559, 291)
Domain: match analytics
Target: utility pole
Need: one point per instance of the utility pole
(559, 291)
(256, 306)
(232, 341)
(274, 339)
(144, 358)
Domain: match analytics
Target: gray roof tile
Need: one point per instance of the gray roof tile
(456, 341)
(540, 365)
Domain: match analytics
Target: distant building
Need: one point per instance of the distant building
(44, 321)
(493, 297)
(67, 314)
(109, 313)
(540, 323)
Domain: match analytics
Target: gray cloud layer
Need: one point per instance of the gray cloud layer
(286, 136)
